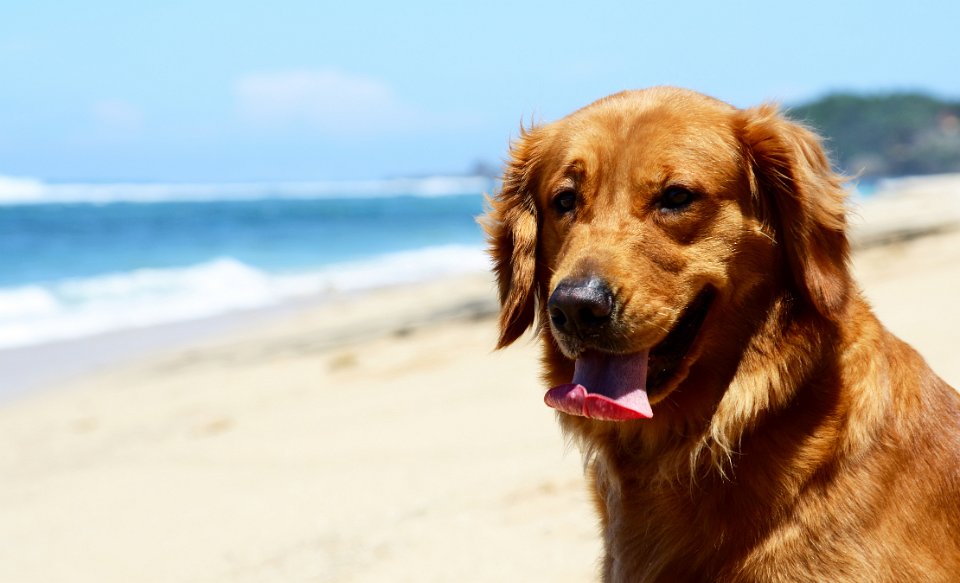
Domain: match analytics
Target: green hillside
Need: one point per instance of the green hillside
(895, 134)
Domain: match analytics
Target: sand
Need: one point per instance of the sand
(375, 439)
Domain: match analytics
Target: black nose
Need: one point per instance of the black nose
(580, 305)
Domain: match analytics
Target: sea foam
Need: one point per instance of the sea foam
(78, 307)
(20, 190)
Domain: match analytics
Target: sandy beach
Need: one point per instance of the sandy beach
(378, 438)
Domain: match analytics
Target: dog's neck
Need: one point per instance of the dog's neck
(708, 447)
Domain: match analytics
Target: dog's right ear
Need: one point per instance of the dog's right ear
(512, 227)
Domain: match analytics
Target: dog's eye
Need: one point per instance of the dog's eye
(675, 198)
(565, 201)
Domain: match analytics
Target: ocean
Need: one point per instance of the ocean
(80, 260)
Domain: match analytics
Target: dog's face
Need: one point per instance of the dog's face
(647, 227)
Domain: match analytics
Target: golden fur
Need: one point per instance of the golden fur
(799, 440)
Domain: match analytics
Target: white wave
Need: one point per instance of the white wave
(31, 191)
(21, 190)
(79, 307)
(26, 301)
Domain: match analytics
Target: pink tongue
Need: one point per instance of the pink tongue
(607, 387)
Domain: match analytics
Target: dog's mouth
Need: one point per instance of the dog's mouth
(617, 387)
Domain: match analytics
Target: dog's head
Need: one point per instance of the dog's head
(647, 232)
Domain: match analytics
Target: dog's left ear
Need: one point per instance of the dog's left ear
(512, 228)
(803, 199)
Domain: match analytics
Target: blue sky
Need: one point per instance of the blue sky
(105, 90)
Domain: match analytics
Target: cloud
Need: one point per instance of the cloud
(326, 100)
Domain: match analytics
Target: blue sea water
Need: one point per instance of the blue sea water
(69, 269)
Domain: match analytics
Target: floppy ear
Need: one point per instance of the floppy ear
(512, 226)
(803, 198)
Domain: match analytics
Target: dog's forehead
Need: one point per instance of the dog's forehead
(663, 128)
(656, 121)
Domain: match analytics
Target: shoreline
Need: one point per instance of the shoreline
(901, 210)
(27, 369)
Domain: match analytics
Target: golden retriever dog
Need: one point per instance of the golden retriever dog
(743, 414)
